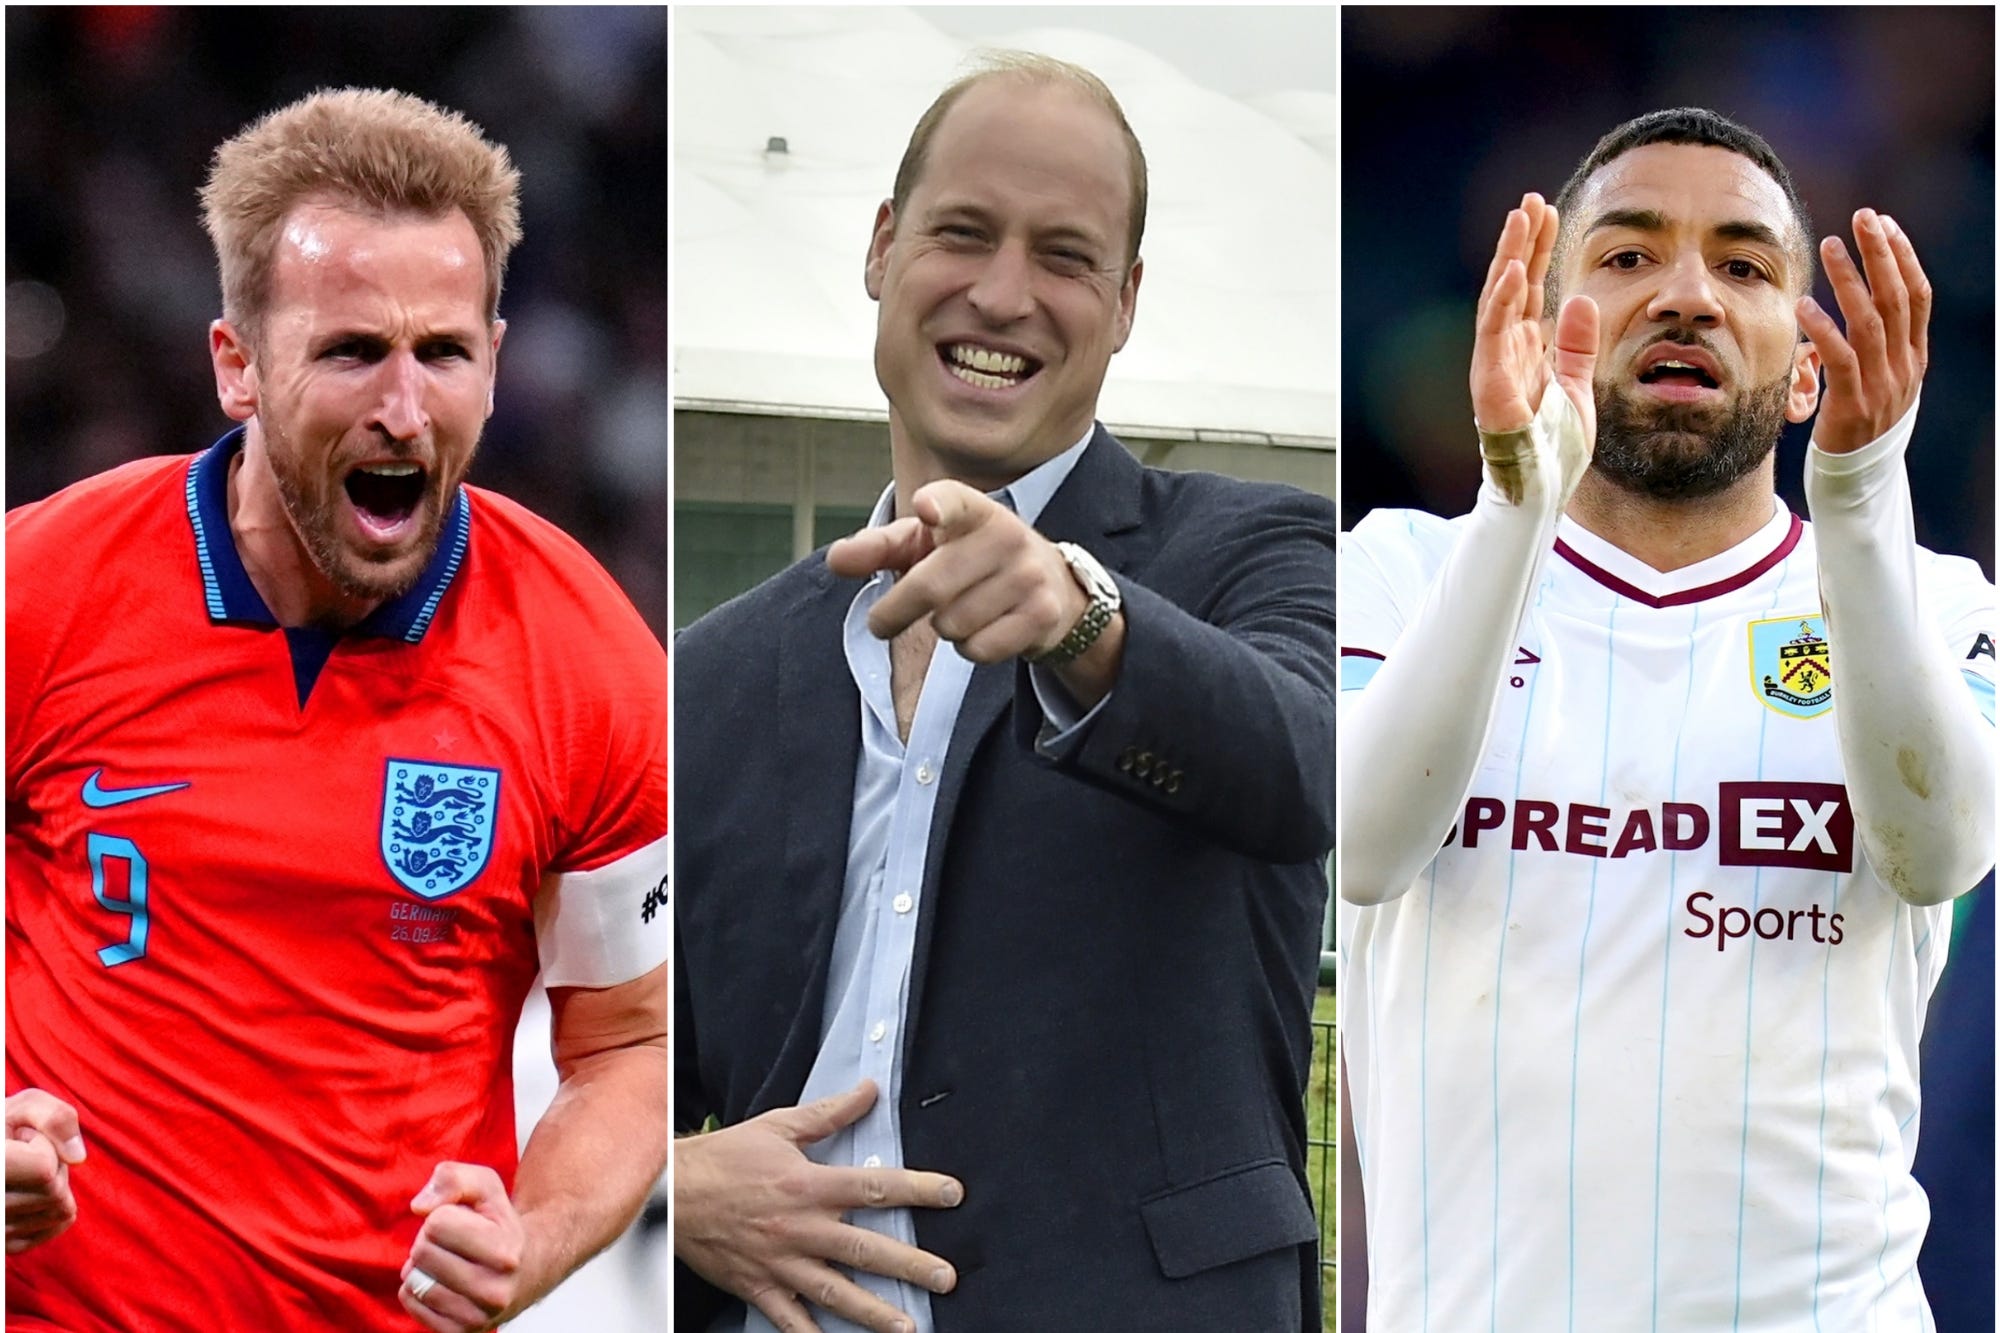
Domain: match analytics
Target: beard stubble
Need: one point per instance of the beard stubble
(314, 515)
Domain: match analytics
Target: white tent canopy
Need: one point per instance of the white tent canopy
(1235, 327)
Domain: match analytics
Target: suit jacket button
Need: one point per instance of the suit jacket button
(1125, 758)
(1145, 763)
(1173, 782)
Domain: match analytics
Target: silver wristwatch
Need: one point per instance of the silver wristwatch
(1105, 600)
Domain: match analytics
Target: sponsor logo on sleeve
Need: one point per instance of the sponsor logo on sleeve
(1791, 670)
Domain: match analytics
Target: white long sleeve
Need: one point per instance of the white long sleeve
(1406, 763)
(1919, 759)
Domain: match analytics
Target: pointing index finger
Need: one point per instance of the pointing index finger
(896, 546)
(951, 509)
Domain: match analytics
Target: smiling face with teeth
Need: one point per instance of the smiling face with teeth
(1691, 254)
(364, 399)
(1004, 286)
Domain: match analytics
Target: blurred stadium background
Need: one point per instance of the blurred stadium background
(1450, 114)
(112, 114)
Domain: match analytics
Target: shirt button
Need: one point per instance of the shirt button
(903, 902)
(879, 1031)
(924, 775)
(871, 1160)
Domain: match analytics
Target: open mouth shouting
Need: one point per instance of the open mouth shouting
(1679, 373)
(387, 498)
(986, 367)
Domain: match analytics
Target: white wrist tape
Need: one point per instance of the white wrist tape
(1542, 462)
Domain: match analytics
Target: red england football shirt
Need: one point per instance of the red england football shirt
(272, 894)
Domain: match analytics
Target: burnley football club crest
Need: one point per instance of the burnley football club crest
(437, 824)
(1789, 666)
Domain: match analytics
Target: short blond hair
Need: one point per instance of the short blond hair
(369, 149)
(1034, 70)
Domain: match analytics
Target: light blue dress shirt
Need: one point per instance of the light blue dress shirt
(868, 983)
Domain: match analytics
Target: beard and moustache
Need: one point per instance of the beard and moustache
(1685, 451)
(314, 511)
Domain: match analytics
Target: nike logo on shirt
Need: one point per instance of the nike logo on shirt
(99, 798)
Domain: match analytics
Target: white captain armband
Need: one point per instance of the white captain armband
(605, 926)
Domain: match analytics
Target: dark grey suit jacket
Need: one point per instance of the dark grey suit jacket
(1108, 1031)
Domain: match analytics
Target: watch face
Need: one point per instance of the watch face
(1089, 572)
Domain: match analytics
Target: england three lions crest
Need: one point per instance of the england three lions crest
(437, 824)
(1789, 666)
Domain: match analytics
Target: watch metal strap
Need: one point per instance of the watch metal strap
(1088, 626)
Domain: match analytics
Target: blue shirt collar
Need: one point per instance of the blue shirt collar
(1027, 495)
(232, 598)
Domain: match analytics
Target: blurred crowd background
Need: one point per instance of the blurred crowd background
(112, 115)
(1451, 114)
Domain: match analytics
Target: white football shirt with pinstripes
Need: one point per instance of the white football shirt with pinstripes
(1638, 1050)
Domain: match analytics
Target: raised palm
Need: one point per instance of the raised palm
(1511, 361)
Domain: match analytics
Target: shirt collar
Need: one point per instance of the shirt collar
(1027, 495)
(1726, 571)
(232, 598)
